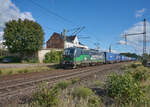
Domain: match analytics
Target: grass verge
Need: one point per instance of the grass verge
(10, 71)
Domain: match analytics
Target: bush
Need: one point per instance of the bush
(75, 80)
(25, 71)
(135, 65)
(53, 57)
(140, 73)
(34, 60)
(1, 58)
(124, 89)
(94, 101)
(20, 71)
(63, 85)
(82, 92)
(130, 66)
(53, 98)
(87, 94)
(46, 97)
(98, 83)
(29, 59)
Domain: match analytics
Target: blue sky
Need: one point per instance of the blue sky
(105, 20)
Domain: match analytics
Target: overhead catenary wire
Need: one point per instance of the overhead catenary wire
(38, 17)
(49, 28)
(52, 12)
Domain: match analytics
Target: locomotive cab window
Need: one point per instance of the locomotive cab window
(69, 52)
(78, 52)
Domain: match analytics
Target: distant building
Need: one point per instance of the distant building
(60, 42)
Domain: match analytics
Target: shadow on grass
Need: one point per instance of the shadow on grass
(103, 95)
(55, 66)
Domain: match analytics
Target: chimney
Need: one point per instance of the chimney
(64, 34)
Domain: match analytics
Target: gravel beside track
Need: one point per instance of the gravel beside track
(9, 89)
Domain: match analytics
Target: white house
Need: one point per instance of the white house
(72, 41)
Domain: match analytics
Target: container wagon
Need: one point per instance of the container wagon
(109, 58)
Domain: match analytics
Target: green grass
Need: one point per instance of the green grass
(98, 83)
(46, 97)
(1, 72)
(55, 97)
(64, 84)
(82, 92)
(11, 71)
(75, 80)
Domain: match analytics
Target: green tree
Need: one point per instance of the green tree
(53, 57)
(130, 54)
(23, 36)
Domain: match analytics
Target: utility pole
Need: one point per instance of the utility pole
(75, 32)
(109, 48)
(63, 34)
(144, 36)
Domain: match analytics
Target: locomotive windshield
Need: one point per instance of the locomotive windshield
(69, 52)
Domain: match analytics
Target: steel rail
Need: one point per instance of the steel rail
(15, 89)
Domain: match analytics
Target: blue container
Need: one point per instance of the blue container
(133, 59)
(126, 58)
(118, 57)
(110, 57)
(122, 58)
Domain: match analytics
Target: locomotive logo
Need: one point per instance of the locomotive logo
(85, 58)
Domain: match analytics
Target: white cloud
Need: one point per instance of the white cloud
(1, 36)
(114, 51)
(107, 50)
(26, 15)
(139, 13)
(9, 11)
(1, 40)
(121, 42)
(136, 41)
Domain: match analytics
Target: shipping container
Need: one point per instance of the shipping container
(110, 57)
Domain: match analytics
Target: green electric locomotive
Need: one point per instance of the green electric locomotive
(74, 57)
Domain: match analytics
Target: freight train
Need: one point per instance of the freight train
(74, 57)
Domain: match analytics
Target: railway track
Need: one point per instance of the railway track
(15, 87)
